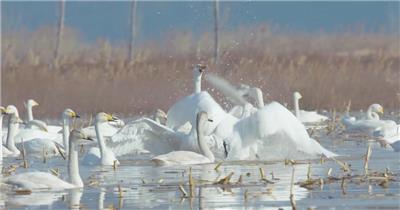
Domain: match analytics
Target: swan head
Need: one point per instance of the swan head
(31, 103)
(297, 95)
(12, 110)
(2, 111)
(244, 90)
(199, 69)
(377, 108)
(160, 116)
(103, 117)
(77, 135)
(69, 113)
(202, 117)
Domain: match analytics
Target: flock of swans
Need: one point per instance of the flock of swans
(195, 130)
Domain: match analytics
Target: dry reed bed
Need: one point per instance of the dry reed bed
(328, 69)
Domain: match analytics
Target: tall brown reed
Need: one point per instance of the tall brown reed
(328, 69)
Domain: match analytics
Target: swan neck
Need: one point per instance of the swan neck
(65, 133)
(73, 167)
(296, 106)
(12, 130)
(29, 112)
(201, 141)
(197, 83)
(1, 143)
(259, 97)
(1, 125)
(100, 139)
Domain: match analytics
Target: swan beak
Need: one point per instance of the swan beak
(210, 120)
(20, 121)
(3, 110)
(89, 138)
(111, 118)
(86, 137)
(381, 111)
(35, 103)
(75, 115)
(201, 67)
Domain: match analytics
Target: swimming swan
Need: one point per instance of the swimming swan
(3, 150)
(42, 180)
(189, 157)
(306, 116)
(389, 134)
(28, 134)
(108, 129)
(29, 106)
(101, 155)
(51, 147)
(369, 124)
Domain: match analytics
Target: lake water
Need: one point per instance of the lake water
(138, 184)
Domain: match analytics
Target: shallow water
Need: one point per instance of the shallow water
(137, 183)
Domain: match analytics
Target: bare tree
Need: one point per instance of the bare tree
(59, 33)
(216, 20)
(133, 30)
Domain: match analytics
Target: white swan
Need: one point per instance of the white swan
(146, 135)
(369, 124)
(306, 116)
(28, 134)
(13, 125)
(189, 157)
(37, 146)
(389, 134)
(185, 110)
(101, 155)
(29, 106)
(108, 129)
(4, 152)
(252, 92)
(277, 133)
(42, 180)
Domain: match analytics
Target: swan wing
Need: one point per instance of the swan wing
(37, 180)
(275, 122)
(29, 134)
(186, 110)
(180, 158)
(36, 147)
(311, 117)
(144, 134)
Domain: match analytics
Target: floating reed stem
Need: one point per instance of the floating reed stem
(120, 192)
(115, 165)
(309, 172)
(366, 158)
(217, 166)
(191, 184)
(24, 155)
(292, 200)
(262, 175)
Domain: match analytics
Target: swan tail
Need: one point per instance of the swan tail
(226, 88)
